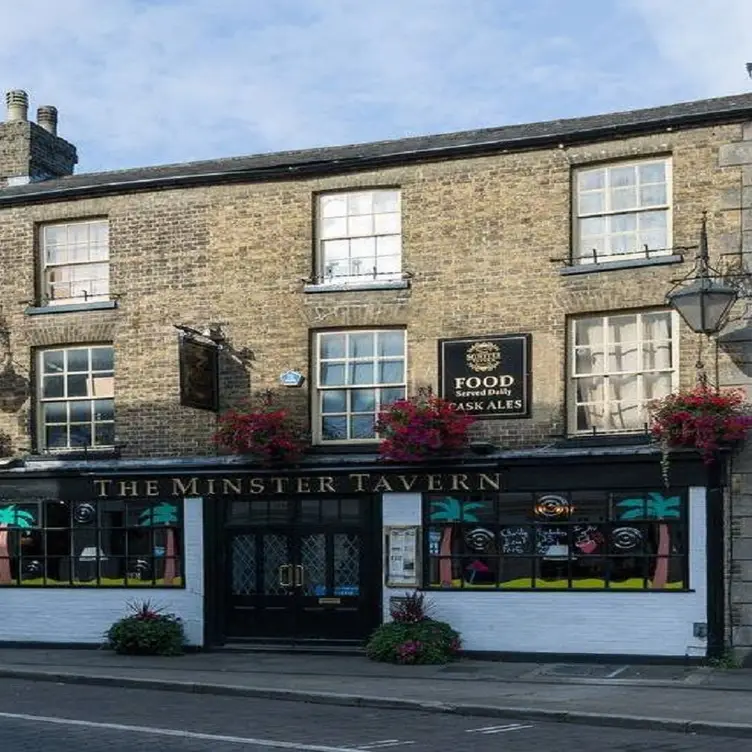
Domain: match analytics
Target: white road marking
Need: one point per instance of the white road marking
(384, 743)
(175, 733)
(499, 729)
(616, 673)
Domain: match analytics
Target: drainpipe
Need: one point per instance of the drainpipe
(714, 529)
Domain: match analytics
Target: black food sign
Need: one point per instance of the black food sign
(487, 377)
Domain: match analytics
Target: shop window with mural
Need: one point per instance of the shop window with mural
(123, 543)
(556, 541)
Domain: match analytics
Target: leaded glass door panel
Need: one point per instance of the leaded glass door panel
(304, 568)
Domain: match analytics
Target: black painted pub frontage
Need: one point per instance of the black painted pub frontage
(551, 551)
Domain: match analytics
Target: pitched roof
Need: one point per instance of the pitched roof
(352, 157)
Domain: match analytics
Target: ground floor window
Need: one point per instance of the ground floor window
(135, 543)
(563, 540)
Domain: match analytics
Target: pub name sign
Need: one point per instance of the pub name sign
(270, 485)
(487, 377)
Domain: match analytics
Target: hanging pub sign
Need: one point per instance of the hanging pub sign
(487, 377)
(199, 374)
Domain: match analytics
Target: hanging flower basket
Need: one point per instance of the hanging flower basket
(420, 428)
(266, 432)
(701, 418)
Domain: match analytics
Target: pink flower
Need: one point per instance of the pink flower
(419, 427)
(702, 418)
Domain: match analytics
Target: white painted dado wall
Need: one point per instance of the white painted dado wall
(83, 615)
(639, 623)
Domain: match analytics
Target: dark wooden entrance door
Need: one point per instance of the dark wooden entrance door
(303, 568)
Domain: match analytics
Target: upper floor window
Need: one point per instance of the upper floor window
(618, 364)
(622, 212)
(75, 261)
(359, 236)
(357, 372)
(76, 406)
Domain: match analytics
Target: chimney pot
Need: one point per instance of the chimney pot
(47, 118)
(17, 105)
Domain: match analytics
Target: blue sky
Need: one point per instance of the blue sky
(142, 82)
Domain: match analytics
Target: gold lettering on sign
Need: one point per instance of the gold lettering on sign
(434, 482)
(359, 479)
(102, 486)
(152, 487)
(382, 484)
(128, 488)
(459, 482)
(486, 482)
(210, 490)
(326, 484)
(279, 483)
(407, 483)
(256, 485)
(230, 484)
(304, 484)
(184, 489)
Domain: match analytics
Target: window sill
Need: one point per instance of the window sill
(97, 305)
(363, 447)
(627, 438)
(103, 453)
(396, 284)
(607, 266)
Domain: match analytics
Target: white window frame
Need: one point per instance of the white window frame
(46, 267)
(573, 377)
(578, 257)
(319, 389)
(91, 397)
(323, 269)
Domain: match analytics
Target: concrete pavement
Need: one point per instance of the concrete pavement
(674, 698)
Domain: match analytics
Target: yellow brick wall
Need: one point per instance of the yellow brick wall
(479, 236)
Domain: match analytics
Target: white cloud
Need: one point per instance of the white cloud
(704, 42)
(154, 81)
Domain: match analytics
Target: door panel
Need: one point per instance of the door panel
(313, 578)
(261, 588)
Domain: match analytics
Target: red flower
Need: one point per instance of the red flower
(265, 432)
(419, 427)
(701, 418)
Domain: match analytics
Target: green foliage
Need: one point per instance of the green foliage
(413, 637)
(728, 661)
(425, 641)
(147, 631)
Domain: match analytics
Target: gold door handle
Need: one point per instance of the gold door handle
(285, 575)
(299, 575)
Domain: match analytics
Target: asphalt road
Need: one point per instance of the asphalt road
(45, 717)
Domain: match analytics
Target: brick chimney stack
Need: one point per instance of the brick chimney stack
(30, 151)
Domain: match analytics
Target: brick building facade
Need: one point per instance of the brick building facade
(571, 232)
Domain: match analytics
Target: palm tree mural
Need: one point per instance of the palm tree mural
(450, 510)
(10, 516)
(162, 515)
(655, 507)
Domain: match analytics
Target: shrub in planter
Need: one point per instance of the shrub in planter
(413, 637)
(147, 631)
(421, 427)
